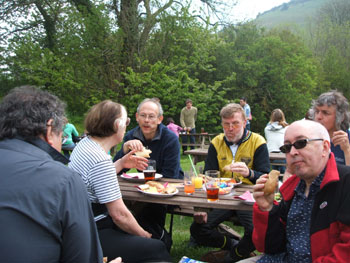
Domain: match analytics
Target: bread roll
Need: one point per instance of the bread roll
(144, 153)
(159, 186)
(271, 182)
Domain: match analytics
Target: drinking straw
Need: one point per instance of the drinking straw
(194, 168)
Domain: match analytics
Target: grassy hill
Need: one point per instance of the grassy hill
(296, 13)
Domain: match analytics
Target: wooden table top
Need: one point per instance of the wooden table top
(197, 200)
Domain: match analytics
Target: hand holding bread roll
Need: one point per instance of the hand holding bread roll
(144, 153)
(271, 182)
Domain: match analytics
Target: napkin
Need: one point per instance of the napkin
(129, 176)
(247, 196)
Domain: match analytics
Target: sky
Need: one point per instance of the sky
(249, 9)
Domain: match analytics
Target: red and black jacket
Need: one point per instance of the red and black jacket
(330, 218)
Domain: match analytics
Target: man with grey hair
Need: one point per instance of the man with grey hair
(165, 147)
(331, 109)
(45, 215)
(312, 222)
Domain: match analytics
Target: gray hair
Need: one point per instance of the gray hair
(160, 109)
(335, 98)
(26, 110)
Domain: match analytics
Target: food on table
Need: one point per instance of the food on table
(271, 183)
(157, 187)
(144, 153)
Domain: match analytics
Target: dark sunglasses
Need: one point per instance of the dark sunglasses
(299, 144)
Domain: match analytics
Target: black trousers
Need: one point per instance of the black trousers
(117, 243)
(208, 235)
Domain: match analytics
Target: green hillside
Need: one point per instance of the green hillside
(293, 13)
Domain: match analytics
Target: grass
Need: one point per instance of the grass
(181, 237)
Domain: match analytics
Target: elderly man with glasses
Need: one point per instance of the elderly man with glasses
(165, 147)
(236, 151)
(312, 222)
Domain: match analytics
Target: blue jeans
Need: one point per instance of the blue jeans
(192, 140)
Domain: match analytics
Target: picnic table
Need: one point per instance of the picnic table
(202, 140)
(200, 154)
(186, 204)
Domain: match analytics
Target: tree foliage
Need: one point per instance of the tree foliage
(86, 51)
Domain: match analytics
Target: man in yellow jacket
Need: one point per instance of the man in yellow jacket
(244, 154)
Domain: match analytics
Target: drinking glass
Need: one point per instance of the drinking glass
(189, 183)
(212, 188)
(150, 171)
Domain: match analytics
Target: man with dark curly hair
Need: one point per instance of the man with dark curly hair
(45, 215)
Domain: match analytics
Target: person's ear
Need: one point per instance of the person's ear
(160, 119)
(326, 148)
(49, 133)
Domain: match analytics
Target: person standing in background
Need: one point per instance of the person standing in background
(248, 113)
(173, 127)
(69, 131)
(331, 109)
(188, 119)
(274, 134)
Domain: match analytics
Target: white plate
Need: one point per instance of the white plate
(138, 177)
(158, 194)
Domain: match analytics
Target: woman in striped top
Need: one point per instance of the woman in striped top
(119, 232)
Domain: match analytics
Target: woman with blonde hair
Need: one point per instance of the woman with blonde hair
(274, 133)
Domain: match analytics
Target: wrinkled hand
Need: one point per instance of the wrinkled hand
(341, 138)
(133, 145)
(200, 217)
(131, 161)
(265, 203)
(240, 167)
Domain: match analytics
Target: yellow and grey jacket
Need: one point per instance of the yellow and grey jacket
(251, 147)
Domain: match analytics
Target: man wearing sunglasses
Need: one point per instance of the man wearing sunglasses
(312, 222)
(238, 153)
(331, 109)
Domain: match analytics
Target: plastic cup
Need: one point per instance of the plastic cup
(150, 172)
(189, 183)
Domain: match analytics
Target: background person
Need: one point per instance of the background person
(165, 147)
(188, 117)
(119, 232)
(274, 134)
(246, 108)
(331, 109)
(173, 127)
(311, 223)
(69, 131)
(235, 143)
(45, 215)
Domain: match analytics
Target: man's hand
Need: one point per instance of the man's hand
(265, 203)
(240, 167)
(133, 145)
(200, 217)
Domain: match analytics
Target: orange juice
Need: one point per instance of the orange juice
(198, 182)
(189, 188)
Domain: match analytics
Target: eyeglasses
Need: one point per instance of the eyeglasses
(299, 144)
(151, 117)
(228, 125)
